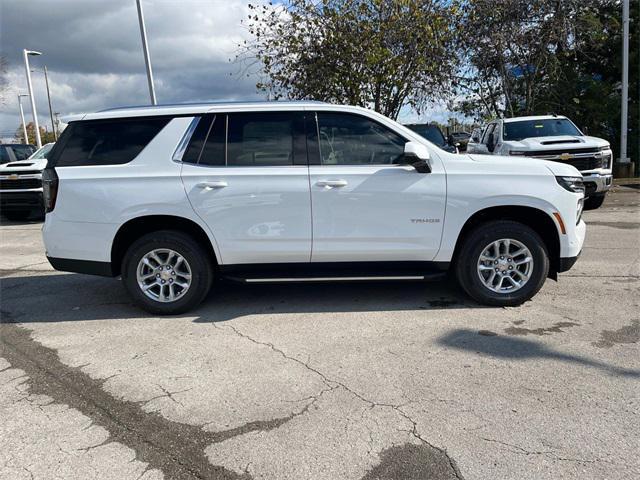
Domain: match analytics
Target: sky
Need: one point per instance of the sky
(93, 53)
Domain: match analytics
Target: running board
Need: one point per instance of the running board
(334, 272)
(324, 279)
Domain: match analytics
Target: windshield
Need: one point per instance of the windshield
(539, 128)
(42, 153)
(430, 132)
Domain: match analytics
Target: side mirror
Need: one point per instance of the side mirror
(417, 155)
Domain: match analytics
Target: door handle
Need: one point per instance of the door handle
(212, 185)
(331, 183)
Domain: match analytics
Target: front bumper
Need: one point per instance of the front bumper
(595, 183)
(566, 263)
(11, 201)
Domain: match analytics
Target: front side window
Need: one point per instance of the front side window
(107, 142)
(348, 139)
(516, 131)
(487, 133)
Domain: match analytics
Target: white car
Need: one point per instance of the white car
(551, 137)
(21, 185)
(174, 197)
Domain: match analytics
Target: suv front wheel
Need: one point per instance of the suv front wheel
(167, 272)
(502, 263)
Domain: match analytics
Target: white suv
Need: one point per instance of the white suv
(551, 137)
(173, 197)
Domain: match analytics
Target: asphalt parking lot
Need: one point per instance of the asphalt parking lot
(314, 381)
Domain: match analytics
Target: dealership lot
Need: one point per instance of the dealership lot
(325, 381)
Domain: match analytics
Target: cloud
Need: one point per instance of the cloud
(92, 49)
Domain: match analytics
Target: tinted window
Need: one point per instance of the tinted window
(199, 136)
(488, 131)
(22, 152)
(213, 152)
(260, 139)
(108, 142)
(430, 132)
(4, 155)
(347, 139)
(539, 128)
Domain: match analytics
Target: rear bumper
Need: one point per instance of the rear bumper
(21, 200)
(88, 267)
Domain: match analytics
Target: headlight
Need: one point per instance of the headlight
(516, 152)
(605, 155)
(571, 184)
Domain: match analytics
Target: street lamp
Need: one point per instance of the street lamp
(145, 49)
(46, 81)
(24, 125)
(26, 53)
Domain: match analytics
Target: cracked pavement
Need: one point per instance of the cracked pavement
(324, 381)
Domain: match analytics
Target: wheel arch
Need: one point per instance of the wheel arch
(538, 220)
(133, 229)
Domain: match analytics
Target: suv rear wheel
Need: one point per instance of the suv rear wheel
(167, 272)
(502, 263)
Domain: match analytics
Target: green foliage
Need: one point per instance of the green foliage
(382, 54)
(45, 136)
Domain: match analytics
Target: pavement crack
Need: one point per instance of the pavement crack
(336, 383)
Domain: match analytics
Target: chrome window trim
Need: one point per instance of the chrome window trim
(186, 138)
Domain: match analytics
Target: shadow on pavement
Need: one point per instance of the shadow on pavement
(73, 297)
(510, 348)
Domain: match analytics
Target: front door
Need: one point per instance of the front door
(366, 207)
(246, 176)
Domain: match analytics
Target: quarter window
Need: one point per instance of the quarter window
(108, 142)
(347, 139)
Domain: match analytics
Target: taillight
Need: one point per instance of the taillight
(49, 188)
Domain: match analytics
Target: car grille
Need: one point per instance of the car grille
(20, 183)
(573, 151)
(582, 162)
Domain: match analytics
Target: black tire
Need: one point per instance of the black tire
(17, 215)
(466, 265)
(199, 260)
(594, 201)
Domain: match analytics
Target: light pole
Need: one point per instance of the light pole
(24, 125)
(46, 81)
(624, 127)
(53, 125)
(145, 49)
(26, 53)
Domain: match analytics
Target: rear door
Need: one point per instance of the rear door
(367, 207)
(246, 175)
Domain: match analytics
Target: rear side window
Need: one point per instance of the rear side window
(107, 142)
(252, 139)
(262, 139)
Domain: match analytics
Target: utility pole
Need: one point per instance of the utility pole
(53, 125)
(24, 125)
(145, 49)
(26, 53)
